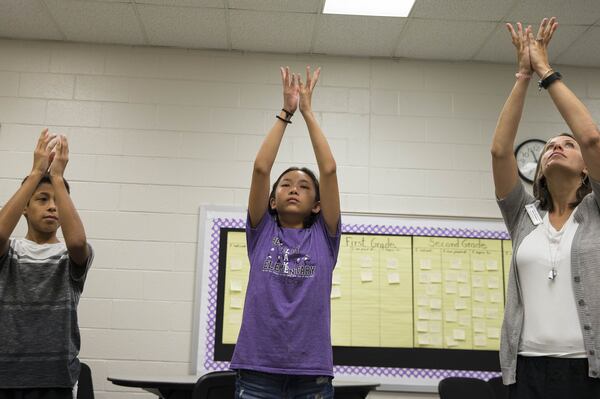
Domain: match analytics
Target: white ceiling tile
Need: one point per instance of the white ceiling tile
(271, 31)
(445, 40)
(357, 35)
(309, 6)
(26, 19)
(579, 12)
(462, 10)
(182, 3)
(585, 51)
(96, 22)
(499, 47)
(185, 27)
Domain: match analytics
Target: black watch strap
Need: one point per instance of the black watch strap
(547, 81)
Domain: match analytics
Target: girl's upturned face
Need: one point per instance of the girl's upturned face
(295, 195)
(562, 153)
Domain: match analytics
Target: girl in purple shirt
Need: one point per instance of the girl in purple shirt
(293, 236)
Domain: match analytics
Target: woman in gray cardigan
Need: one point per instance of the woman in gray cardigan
(550, 343)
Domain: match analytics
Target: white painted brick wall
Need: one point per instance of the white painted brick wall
(155, 133)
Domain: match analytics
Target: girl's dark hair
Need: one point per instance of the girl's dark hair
(313, 216)
(541, 192)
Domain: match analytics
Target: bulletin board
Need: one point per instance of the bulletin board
(413, 299)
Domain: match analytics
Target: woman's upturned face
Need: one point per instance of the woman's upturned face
(562, 153)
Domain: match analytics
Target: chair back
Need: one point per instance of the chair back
(85, 387)
(215, 385)
(464, 388)
(500, 390)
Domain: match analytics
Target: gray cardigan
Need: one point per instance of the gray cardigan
(585, 276)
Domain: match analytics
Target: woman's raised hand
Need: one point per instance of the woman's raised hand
(290, 90)
(306, 90)
(520, 39)
(538, 46)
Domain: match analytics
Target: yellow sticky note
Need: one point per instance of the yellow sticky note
(435, 327)
(335, 279)
(492, 264)
(480, 340)
(435, 277)
(451, 288)
(477, 281)
(236, 264)
(425, 264)
(433, 290)
(423, 314)
(464, 291)
(423, 339)
(493, 332)
(462, 277)
(492, 313)
(236, 302)
(479, 295)
(435, 303)
(450, 342)
(464, 320)
(435, 339)
(336, 292)
(493, 282)
(235, 286)
(435, 315)
(455, 263)
(459, 334)
(422, 326)
(495, 297)
(366, 276)
(451, 276)
(479, 326)
(479, 312)
(478, 265)
(393, 278)
(424, 277)
(460, 304)
(234, 318)
(422, 301)
(451, 316)
(392, 263)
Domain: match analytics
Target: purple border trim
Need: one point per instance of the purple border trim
(218, 223)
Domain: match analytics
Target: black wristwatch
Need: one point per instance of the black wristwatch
(548, 80)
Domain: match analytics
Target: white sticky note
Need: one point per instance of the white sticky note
(366, 276)
(493, 332)
(435, 315)
(336, 292)
(464, 291)
(236, 264)
(477, 281)
(336, 279)
(235, 286)
(433, 290)
(450, 342)
(393, 278)
(451, 276)
(451, 288)
(435, 303)
(462, 277)
(451, 316)
(366, 261)
(460, 304)
(234, 318)
(236, 302)
(422, 301)
(459, 334)
(493, 282)
(423, 314)
(495, 297)
(480, 340)
(392, 263)
(435, 277)
(479, 295)
(479, 326)
(455, 263)
(435, 339)
(422, 326)
(424, 277)
(464, 320)
(478, 312)
(425, 264)
(492, 313)
(423, 339)
(478, 265)
(492, 264)
(435, 327)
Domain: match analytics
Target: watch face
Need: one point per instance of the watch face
(528, 156)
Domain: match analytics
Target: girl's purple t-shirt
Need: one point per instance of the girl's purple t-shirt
(287, 314)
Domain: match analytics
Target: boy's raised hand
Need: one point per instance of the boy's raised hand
(61, 157)
(42, 153)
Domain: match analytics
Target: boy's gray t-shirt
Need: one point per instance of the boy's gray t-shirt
(39, 335)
